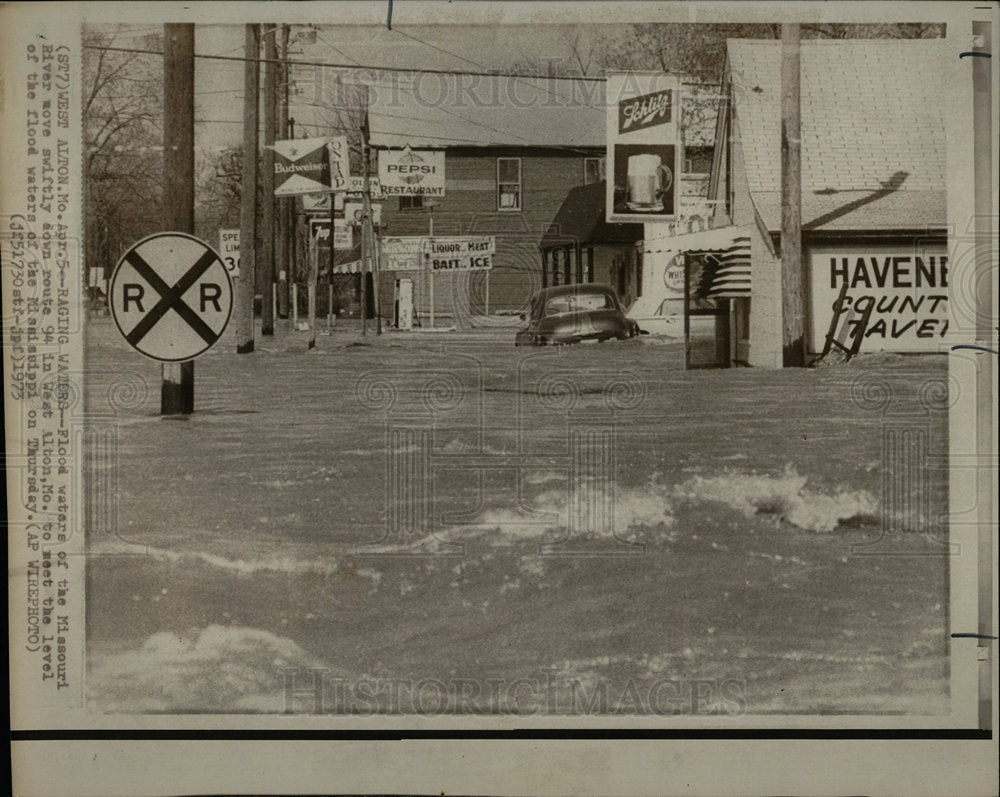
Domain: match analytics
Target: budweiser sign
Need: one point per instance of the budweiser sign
(648, 110)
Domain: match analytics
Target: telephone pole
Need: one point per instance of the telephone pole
(267, 222)
(282, 232)
(368, 231)
(792, 314)
(248, 199)
(177, 386)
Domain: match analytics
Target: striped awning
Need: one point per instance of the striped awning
(727, 250)
(731, 278)
(354, 267)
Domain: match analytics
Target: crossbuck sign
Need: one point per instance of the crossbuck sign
(171, 297)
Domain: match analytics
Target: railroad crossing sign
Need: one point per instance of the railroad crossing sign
(171, 297)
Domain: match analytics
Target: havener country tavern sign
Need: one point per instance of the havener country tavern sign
(906, 290)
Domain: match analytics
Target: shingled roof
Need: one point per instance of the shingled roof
(873, 131)
(581, 219)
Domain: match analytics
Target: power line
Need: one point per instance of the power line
(476, 63)
(356, 65)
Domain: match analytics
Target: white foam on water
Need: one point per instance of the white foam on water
(644, 513)
(215, 668)
(632, 509)
(324, 565)
(783, 497)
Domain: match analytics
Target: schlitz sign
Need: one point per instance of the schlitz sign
(644, 148)
(649, 110)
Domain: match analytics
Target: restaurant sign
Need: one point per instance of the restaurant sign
(410, 172)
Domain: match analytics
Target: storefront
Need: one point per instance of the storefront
(874, 244)
(580, 246)
(697, 287)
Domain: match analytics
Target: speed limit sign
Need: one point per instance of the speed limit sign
(229, 250)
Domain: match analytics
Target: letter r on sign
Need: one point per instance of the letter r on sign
(132, 292)
(210, 292)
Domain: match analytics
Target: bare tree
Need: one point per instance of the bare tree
(122, 121)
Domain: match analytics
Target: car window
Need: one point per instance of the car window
(576, 302)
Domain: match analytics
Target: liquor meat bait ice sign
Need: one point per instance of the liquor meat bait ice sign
(644, 148)
(310, 165)
(411, 172)
(905, 289)
(460, 253)
(438, 254)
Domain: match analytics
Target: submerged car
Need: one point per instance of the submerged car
(573, 314)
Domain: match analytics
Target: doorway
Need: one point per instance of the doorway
(706, 318)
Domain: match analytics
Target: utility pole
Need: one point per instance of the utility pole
(282, 232)
(792, 313)
(431, 203)
(248, 199)
(177, 386)
(291, 217)
(267, 222)
(370, 254)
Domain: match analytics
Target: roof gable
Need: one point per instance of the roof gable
(872, 123)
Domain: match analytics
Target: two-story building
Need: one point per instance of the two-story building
(513, 149)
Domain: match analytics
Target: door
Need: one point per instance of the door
(706, 319)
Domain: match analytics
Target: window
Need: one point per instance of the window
(593, 170)
(508, 183)
(411, 202)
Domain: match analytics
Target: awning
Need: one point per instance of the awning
(731, 279)
(354, 267)
(727, 249)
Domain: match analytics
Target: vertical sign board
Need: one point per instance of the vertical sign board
(171, 297)
(409, 172)
(229, 249)
(644, 147)
(906, 287)
(343, 234)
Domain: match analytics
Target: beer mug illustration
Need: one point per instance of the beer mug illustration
(648, 181)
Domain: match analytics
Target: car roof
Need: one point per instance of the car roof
(581, 287)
